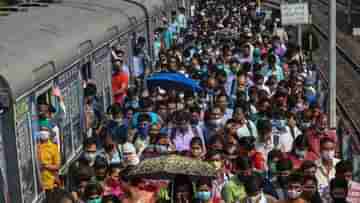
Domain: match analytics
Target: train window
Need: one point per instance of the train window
(86, 73)
(45, 103)
(49, 109)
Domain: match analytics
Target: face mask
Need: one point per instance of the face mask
(161, 149)
(134, 104)
(44, 135)
(306, 125)
(328, 155)
(293, 194)
(90, 156)
(215, 122)
(254, 199)
(272, 167)
(204, 196)
(97, 200)
(194, 121)
(119, 121)
(144, 130)
(300, 106)
(300, 153)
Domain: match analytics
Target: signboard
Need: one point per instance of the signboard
(294, 14)
(24, 145)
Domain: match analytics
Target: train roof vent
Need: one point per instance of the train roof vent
(49, 1)
(4, 13)
(9, 9)
(36, 4)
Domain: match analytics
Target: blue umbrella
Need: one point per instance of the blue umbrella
(173, 81)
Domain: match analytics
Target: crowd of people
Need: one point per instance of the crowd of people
(259, 119)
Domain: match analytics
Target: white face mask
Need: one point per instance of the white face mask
(90, 156)
(293, 194)
(216, 122)
(328, 155)
(254, 199)
(118, 120)
(300, 153)
(44, 135)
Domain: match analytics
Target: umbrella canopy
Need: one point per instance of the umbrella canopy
(175, 81)
(169, 166)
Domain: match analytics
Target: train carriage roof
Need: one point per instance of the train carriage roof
(30, 39)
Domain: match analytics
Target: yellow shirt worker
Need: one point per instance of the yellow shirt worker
(49, 161)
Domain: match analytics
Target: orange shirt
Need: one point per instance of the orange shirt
(120, 81)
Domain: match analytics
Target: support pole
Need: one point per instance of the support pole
(349, 12)
(300, 32)
(332, 62)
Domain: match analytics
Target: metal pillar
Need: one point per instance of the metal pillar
(332, 62)
(300, 31)
(349, 12)
(311, 30)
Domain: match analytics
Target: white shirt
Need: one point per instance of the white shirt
(228, 114)
(286, 140)
(265, 148)
(324, 179)
(138, 67)
(245, 132)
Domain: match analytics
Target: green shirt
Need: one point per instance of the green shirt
(233, 191)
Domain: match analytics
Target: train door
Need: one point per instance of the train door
(4, 190)
(42, 104)
(70, 87)
(86, 72)
(3, 174)
(26, 150)
(102, 69)
(140, 52)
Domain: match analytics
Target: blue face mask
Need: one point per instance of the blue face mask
(144, 130)
(161, 149)
(97, 200)
(204, 196)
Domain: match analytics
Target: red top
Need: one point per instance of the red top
(297, 162)
(120, 83)
(258, 160)
(314, 140)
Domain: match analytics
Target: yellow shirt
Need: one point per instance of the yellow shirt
(48, 154)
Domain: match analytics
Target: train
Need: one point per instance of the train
(60, 43)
